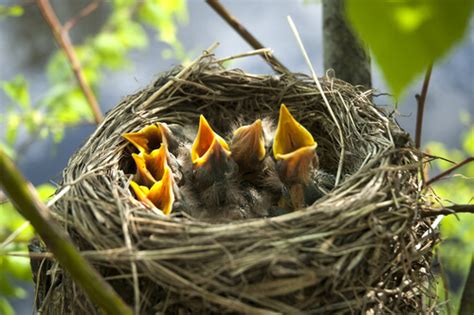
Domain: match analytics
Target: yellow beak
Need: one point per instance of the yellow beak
(208, 146)
(149, 138)
(160, 195)
(248, 145)
(294, 147)
(150, 167)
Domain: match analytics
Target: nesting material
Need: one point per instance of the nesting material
(357, 249)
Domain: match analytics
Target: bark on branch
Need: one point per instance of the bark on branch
(245, 34)
(62, 38)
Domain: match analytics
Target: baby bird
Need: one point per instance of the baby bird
(294, 150)
(160, 195)
(249, 151)
(150, 167)
(153, 183)
(151, 137)
(215, 193)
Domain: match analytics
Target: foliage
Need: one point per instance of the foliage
(457, 247)
(406, 36)
(14, 10)
(64, 104)
(15, 269)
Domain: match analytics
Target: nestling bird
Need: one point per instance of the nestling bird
(150, 167)
(151, 137)
(294, 150)
(248, 147)
(214, 192)
(256, 167)
(160, 195)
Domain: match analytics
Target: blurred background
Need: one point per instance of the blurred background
(123, 47)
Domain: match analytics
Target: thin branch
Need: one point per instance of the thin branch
(87, 10)
(454, 209)
(25, 199)
(449, 171)
(245, 34)
(421, 106)
(62, 38)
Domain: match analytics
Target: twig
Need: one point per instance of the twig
(14, 235)
(88, 9)
(62, 38)
(262, 51)
(421, 106)
(245, 34)
(26, 201)
(323, 95)
(454, 209)
(448, 171)
(181, 74)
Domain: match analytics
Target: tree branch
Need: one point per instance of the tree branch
(421, 106)
(448, 171)
(26, 200)
(62, 38)
(245, 34)
(88, 9)
(454, 209)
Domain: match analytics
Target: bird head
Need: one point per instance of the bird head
(160, 195)
(150, 137)
(150, 167)
(294, 149)
(210, 155)
(248, 146)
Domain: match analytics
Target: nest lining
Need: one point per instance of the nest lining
(357, 249)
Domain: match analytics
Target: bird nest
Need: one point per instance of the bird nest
(359, 248)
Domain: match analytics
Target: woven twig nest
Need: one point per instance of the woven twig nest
(357, 249)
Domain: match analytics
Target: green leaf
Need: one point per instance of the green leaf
(468, 143)
(5, 307)
(12, 125)
(406, 36)
(14, 10)
(17, 91)
(45, 191)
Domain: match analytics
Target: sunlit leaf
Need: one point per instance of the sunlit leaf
(12, 125)
(14, 10)
(17, 91)
(406, 36)
(5, 307)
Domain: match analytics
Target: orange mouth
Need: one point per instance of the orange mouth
(294, 147)
(150, 167)
(160, 195)
(149, 138)
(208, 145)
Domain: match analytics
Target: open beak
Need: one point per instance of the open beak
(248, 145)
(160, 195)
(150, 167)
(209, 150)
(294, 148)
(150, 137)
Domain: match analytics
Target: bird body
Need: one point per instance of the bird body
(265, 171)
(294, 150)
